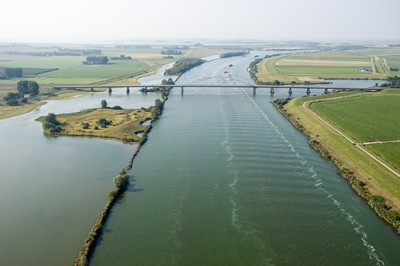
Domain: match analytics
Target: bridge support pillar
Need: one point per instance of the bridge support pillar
(290, 90)
(326, 90)
(145, 89)
(91, 89)
(182, 89)
(109, 89)
(163, 88)
(127, 89)
(272, 90)
(254, 90)
(308, 90)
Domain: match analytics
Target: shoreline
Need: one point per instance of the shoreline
(376, 202)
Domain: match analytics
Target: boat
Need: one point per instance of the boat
(227, 75)
(230, 65)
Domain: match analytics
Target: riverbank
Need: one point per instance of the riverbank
(367, 177)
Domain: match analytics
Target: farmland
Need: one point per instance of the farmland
(366, 118)
(315, 67)
(362, 116)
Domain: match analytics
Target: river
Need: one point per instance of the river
(223, 179)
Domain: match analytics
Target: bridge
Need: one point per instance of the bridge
(225, 80)
(182, 86)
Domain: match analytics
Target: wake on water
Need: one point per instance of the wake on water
(358, 228)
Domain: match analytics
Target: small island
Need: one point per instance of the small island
(116, 123)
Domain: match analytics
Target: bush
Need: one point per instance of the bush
(12, 102)
(96, 127)
(24, 100)
(117, 107)
(395, 216)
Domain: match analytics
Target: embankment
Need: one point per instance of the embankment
(378, 203)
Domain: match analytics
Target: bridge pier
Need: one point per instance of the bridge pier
(254, 90)
(290, 90)
(182, 89)
(326, 90)
(91, 89)
(145, 89)
(127, 89)
(308, 90)
(272, 90)
(109, 89)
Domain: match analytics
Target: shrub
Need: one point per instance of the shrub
(12, 102)
(96, 127)
(24, 100)
(117, 107)
(395, 216)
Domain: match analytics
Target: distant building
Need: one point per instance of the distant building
(363, 69)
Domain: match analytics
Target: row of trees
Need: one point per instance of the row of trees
(121, 57)
(183, 65)
(231, 54)
(11, 72)
(23, 87)
(96, 60)
(171, 52)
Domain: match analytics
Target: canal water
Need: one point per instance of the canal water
(224, 179)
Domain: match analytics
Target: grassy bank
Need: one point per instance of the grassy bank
(368, 178)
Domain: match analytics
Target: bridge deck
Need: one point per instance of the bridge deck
(213, 86)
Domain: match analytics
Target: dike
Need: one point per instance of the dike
(376, 202)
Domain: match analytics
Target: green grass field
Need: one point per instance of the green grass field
(388, 152)
(366, 118)
(378, 179)
(46, 62)
(86, 74)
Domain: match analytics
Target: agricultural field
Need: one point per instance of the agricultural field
(370, 117)
(315, 67)
(378, 180)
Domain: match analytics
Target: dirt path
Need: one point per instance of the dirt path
(351, 141)
(373, 64)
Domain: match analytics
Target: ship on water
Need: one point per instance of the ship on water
(227, 75)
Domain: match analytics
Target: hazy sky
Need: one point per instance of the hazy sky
(214, 19)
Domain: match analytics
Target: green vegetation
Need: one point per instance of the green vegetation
(121, 57)
(368, 178)
(183, 65)
(121, 182)
(96, 60)
(10, 72)
(231, 54)
(393, 82)
(171, 52)
(316, 67)
(104, 104)
(365, 118)
(100, 123)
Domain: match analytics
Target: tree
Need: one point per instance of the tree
(33, 88)
(27, 87)
(103, 104)
(51, 118)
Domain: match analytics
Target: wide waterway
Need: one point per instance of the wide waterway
(224, 179)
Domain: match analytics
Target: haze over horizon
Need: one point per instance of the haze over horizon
(43, 20)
